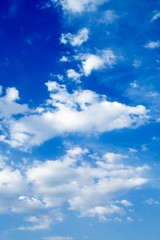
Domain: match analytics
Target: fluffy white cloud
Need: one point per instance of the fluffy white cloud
(72, 74)
(87, 186)
(90, 62)
(125, 203)
(82, 111)
(152, 44)
(75, 39)
(64, 59)
(79, 6)
(11, 184)
(9, 106)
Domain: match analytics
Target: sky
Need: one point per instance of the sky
(79, 120)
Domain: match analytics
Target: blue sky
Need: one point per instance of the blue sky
(79, 115)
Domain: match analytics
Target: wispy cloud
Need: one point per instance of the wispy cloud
(58, 238)
(152, 44)
(155, 16)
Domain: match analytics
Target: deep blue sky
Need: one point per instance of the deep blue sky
(79, 115)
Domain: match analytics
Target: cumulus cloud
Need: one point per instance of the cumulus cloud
(64, 59)
(75, 39)
(90, 62)
(11, 184)
(82, 111)
(73, 75)
(9, 105)
(79, 6)
(152, 44)
(87, 187)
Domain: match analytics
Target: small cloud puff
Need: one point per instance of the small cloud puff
(75, 39)
(64, 59)
(103, 59)
(152, 44)
(73, 75)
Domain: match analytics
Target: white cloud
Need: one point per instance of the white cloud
(82, 111)
(38, 223)
(155, 16)
(144, 148)
(57, 238)
(134, 84)
(126, 203)
(102, 211)
(151, 201)
(11, 184)
(109, 17)
(130, 219)
(75, 39)
(1, 90)
(158, 120)
(72, 74)
(90, 62)
(137, 63)
(79, 6)
(64, 59)
(152, 44)
(153, 94)
(88, 187)
(133, 150)
(9, 106)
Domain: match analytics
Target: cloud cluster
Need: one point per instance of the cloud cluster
(82, 111)
(87, 186)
